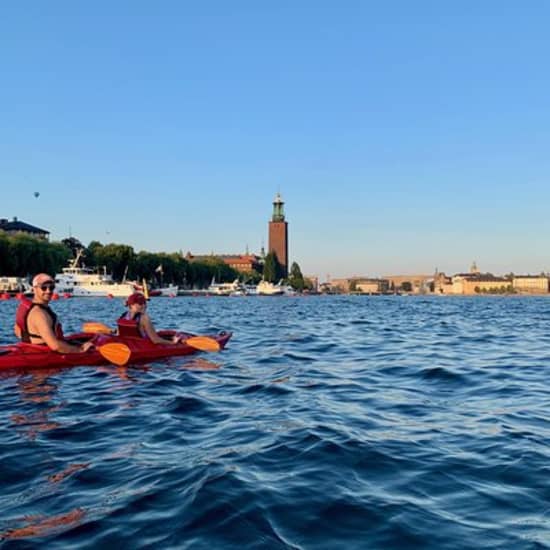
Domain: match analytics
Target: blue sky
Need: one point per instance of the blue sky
(403, 136)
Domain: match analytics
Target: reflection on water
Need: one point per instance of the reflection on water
(40, 526)
(199, 363)
(330, 422)
(71, 468)
(37, 389)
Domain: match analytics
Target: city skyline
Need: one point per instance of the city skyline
(402, 138)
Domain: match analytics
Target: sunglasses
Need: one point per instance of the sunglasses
(46, 286)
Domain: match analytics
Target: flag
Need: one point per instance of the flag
(159, 269)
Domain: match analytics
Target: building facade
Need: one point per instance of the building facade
(468, 283)
(278, 234)
(531, 284)
(243, 263)
(364, 285)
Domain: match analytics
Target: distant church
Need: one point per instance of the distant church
(278, 233)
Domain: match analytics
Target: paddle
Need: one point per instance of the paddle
(203, 343)
(96, 328)
(116, 353)
(145, 290)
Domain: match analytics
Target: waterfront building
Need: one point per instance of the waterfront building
(442, 283)
(372, 286)
(364, 285)
(243, 263)
(278, 234)
(531, 284)
(417, 284)
(314, 281)
(338, 285)
(17, 227)
(477, 283)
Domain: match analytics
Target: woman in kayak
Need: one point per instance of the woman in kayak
(136, 323)
(36, 323)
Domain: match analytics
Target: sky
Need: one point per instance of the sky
(403, 136)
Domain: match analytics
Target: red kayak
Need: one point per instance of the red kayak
(142, 350)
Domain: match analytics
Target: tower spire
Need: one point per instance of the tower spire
(278, 209)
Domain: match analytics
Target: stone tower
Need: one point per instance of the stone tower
(278, 233)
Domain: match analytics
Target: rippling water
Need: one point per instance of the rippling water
(328, 422)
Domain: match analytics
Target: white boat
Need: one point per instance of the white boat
(14, 285)
(170, 290)
(266, 288)
(83, 281)
(288, 290)
(226, 289)
(251, 290)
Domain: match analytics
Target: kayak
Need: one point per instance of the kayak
(33, 356)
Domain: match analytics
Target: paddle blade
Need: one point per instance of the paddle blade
(96, 328)
(116, 353)
(204, 343)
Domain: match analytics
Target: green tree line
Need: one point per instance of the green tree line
(24, 255)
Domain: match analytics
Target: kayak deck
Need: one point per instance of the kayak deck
(21, 355)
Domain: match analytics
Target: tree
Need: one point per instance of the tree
(273, 270)
(91, 252)
(22, 255)
(73, 244)
(116, 258)
(296, 279)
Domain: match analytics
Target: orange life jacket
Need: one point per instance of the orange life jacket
(22, 314)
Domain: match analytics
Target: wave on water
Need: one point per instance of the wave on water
(328, 422)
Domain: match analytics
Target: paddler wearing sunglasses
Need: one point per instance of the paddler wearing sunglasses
(36, 323)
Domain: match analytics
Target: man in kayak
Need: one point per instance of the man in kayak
(136, 323)
(36, 323)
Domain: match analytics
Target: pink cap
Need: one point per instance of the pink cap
(42, 278)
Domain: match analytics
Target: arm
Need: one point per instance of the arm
(39, 323)
(147, 326)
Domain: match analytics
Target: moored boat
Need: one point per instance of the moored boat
(170, 290)
(12, 286)
(82, 281)
(266, 288)
(226, 289)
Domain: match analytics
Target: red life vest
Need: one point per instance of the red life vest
(22, 314)
(129, 328)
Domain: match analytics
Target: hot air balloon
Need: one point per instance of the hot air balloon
(36, 194)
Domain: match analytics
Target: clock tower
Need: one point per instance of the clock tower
(278, 233)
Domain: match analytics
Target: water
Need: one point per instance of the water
(328, 422)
